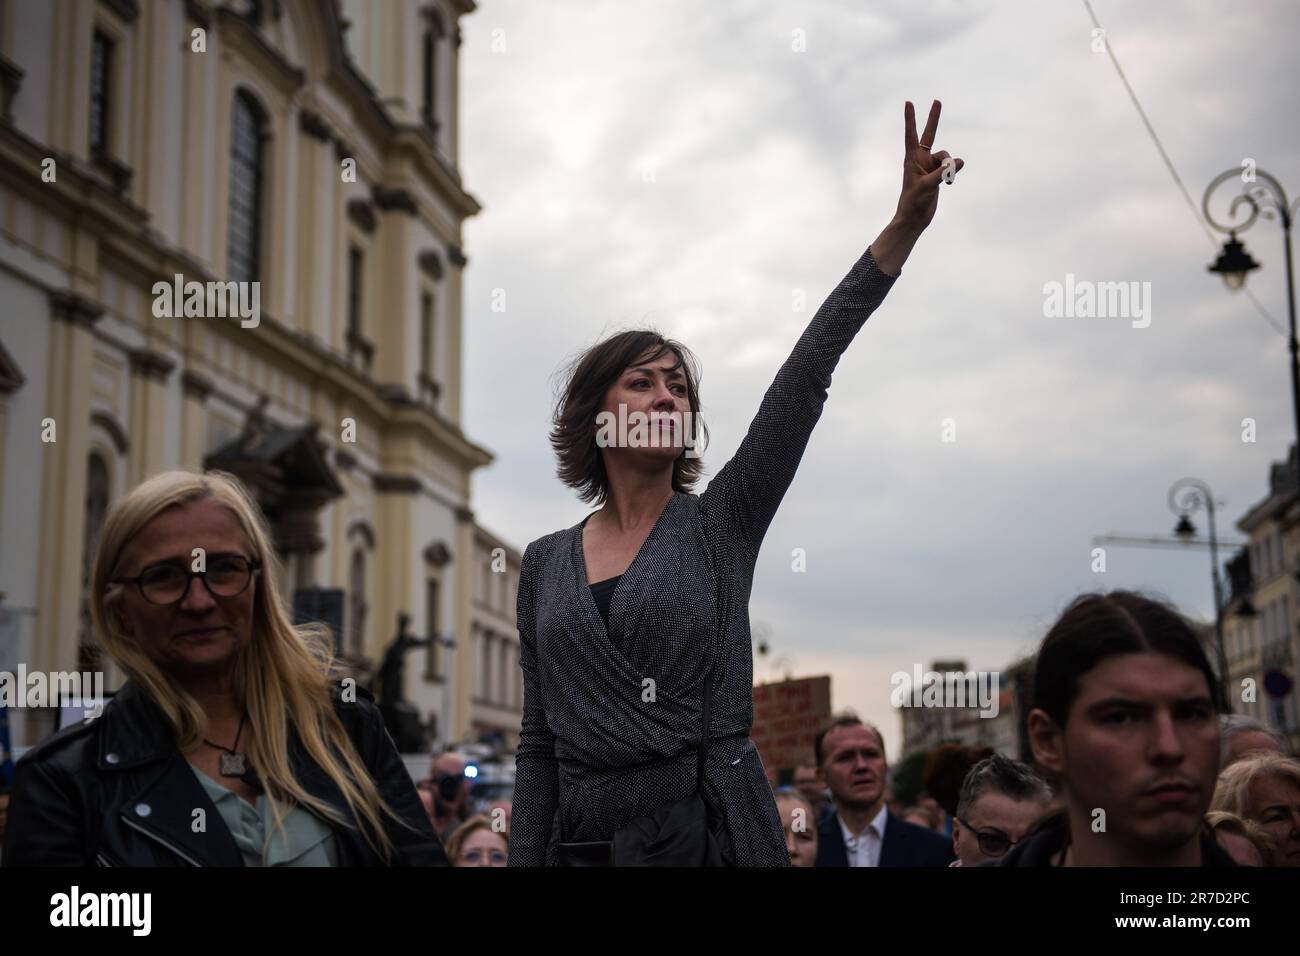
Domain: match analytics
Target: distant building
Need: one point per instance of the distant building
(1261, 638)
(490, 700)
(926, 727)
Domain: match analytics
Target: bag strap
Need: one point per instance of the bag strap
(706, 714)
(724, 584)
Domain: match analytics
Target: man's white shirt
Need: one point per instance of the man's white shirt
(864, 849)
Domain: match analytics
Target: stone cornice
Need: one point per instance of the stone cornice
(151, 364)
(11, 79)
(433, 16)
(127, 10)
(416, 141)
(81, 191)
(198, 13)
(314, 125)
(119, 173)
(399, 484)
(11, 376)
(387, 198)
(362, 215)
(437, 554)
(430, 264)
(74, 308)
(122, 229)
(196, 384)
(287, 76)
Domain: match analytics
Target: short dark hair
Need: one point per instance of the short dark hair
(1096, 626)
(842, 720)
(946, 767)
(1002, 775)
(586, 380)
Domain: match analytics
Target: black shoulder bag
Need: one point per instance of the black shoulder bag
(682, 832)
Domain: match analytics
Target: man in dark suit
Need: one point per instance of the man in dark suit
(862, 831)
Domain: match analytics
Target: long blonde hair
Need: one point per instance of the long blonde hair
(1232, 792)
(282, 676)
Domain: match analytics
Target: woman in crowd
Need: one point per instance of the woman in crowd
(229, 716)
(1265, 788)
(799, 825)
(477, 842)
(1245, 840)
(635, 643)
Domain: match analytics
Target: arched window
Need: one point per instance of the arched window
(247, 149)
(356, 640)
(88, 650)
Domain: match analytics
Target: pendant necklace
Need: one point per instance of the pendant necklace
(232, 761)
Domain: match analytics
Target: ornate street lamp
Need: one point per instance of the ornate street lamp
(1187, 496)
(1262, 195)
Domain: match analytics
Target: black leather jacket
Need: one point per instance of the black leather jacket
(116, 791)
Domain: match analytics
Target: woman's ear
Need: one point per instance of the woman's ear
(1045, 740)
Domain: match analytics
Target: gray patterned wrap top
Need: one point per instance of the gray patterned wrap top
(599, 745)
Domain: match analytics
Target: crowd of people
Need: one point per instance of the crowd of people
(1000, 802)
(1134, 764)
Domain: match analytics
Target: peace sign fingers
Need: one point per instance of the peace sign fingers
(931, 125)
(923, 168)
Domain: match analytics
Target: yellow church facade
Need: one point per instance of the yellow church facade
(300, 155)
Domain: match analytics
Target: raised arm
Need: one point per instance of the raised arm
(536, 792)
(745, 494)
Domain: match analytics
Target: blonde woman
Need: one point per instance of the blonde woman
(1245, 840)
(477, 842)
(799, 824)
(1265, 788)
(229, 744)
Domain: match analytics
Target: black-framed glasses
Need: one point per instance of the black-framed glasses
(475, 856)
(227, 575)
(992, 842)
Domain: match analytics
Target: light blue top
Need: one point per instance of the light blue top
(303, 840)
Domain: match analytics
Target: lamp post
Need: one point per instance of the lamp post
(1185, 497)
(1264, 196)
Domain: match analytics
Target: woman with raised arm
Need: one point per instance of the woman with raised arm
(634, 624)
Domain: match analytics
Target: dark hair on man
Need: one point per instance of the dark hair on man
(842, 720)
(1097, 626)
(586, 381)
(999, 774)
(946, 766)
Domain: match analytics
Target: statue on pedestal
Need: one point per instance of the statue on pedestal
(400, 716)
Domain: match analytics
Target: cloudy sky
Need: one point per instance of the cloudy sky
(682, 165)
